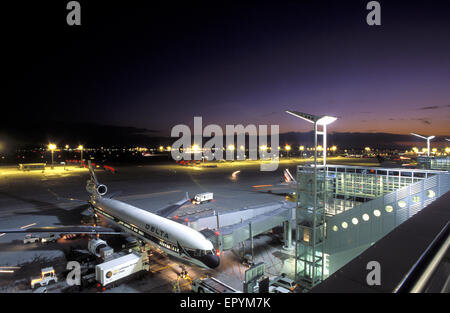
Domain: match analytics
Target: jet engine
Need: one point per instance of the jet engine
(101, 190)
(95, 245)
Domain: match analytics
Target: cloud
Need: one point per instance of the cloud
(434, 107)
(423, 120)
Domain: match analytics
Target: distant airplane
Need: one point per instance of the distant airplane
(396, 161)
(288, 184)
(174, 238)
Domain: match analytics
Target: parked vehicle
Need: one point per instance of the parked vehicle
(203, 197)
(285, 282)
(47, 277)
(116, 269)
(278, 289)
(29, 238)
(50, 238)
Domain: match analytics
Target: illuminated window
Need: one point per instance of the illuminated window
(402, 204)
(431, 193)
(365, 217)
(344, 225)
(355, 221)
(416, 199)
(389, 208)
(376, 212)
(335, 228)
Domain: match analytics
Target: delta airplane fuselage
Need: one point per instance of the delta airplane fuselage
(173, 238)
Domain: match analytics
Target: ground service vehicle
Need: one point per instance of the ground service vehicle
(211, 285)
(203, 197)
(278, 289)
(47, 277)
(31, 239)
(50, 238)
(111, 271)
(285, 283)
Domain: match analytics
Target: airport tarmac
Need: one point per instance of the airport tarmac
(47, 199)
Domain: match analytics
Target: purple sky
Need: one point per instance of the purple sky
(239, 63)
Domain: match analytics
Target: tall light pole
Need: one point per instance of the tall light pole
(317, 121)
(52, 148)
(427, 139)
(80, 147)
(287, 148)
(311, 252)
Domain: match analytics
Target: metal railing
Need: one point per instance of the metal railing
(421, 273)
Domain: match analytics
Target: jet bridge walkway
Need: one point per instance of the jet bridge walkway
(234, 225)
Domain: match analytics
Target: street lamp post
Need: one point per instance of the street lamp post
(287, 148)
(52, 148)
(427, 139)
(314, 208)
(301, 148)
(80, 147)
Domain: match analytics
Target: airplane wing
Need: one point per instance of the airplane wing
(164, 212)
(64, 230)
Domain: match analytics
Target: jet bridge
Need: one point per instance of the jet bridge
(234, 225)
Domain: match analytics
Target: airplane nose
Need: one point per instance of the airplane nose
(212, 261)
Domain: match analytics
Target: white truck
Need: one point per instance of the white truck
(211, 285)
(203, 197)
(47, 277)
(112, 271)
(29, 238)
(50, 238)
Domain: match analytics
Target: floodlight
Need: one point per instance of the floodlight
(317, 120)
(427, 139)
(320, 120)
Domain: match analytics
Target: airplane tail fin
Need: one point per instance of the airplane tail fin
(287, 176)
(93, 186)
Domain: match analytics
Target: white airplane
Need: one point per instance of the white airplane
(173, 238)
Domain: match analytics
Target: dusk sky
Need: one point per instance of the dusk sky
(232, 62)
